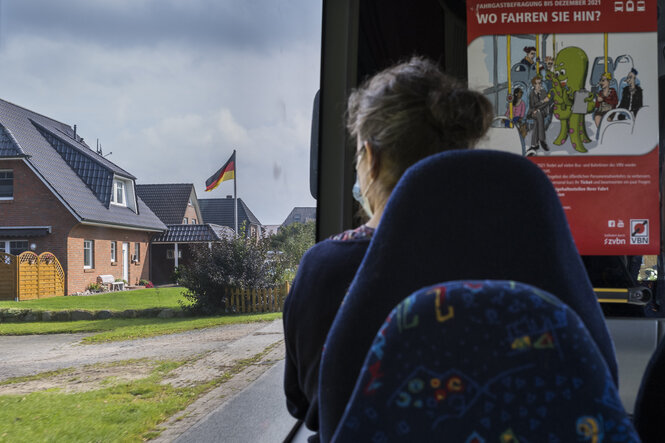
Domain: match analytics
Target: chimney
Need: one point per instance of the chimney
(74, 132)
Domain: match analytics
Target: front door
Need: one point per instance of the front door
(125, 262)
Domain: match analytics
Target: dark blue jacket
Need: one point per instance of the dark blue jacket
(323, 277)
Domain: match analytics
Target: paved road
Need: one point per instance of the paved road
(257, 414)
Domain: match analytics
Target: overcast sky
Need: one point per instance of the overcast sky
(171, 87)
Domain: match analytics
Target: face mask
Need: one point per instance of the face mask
(360, 198)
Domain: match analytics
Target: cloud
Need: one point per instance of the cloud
(171, 105)
(247, 24)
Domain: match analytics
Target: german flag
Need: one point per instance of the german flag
(226, 172)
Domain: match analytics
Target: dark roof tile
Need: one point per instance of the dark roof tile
(193, 234)
(220, 211)
(80, 198)
(167, 201)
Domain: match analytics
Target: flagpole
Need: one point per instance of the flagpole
(235, 192)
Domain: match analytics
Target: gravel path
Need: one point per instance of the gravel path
(33, 354)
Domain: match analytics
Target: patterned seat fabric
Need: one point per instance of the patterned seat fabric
(478, 361)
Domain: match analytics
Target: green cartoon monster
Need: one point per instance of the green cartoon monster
(569, 76)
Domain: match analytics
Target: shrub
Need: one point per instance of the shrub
(94, 287)
(294, 240)
(236, 263)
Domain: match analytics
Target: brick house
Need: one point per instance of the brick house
(58, 195)
(177, 206)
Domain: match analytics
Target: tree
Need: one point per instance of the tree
(294, 240)
(235, 263)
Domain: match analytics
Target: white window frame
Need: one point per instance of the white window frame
(114, 194)
(12, 196)
(185, 221)
(193, 221)
(89, 249)
(137, 252)
(114, 252)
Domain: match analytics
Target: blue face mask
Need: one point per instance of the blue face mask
(360, 198)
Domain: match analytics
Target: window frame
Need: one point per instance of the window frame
(11, 171)
(185, 221)
(122, 186)
(91, 253)
(114, 252)
(137, 252)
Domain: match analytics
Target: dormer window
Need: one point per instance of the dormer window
(119, 196)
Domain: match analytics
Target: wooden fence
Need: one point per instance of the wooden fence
(28, 276)
(257, 300)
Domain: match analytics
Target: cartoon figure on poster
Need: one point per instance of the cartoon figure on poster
(573, 106)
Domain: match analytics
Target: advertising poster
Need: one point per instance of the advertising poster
(574, 85)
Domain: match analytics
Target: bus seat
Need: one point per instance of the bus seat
(649, 412)
(598, 69)
(519, 73)
(490, 360)
(501, 138)
(616, 125)
(456, 215)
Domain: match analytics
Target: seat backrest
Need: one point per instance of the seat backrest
(457, 215)
(484, 361)
(649, 412)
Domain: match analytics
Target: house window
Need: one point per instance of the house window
(114, 252)
(137, 252)
(193, 221)
(14, 247)
(6, 184)
(88, 252)
(119, 195)
(170, 254)
(296, 217)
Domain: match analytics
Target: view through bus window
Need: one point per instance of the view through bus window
(154, 206)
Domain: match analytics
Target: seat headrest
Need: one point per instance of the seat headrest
(458, 215)
(490, 359)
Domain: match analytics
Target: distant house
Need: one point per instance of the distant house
(173, 203)
(300, 215)
(58, 195)
(271, 229)
(220, 212)
(178, 207)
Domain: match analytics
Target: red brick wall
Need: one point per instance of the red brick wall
(79, 278)
(190, 213)
(35, 205)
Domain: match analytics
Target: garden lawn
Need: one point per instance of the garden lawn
(111, 301)
(119, 329)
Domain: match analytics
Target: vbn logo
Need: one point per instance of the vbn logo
(629, 5)
(639, 232)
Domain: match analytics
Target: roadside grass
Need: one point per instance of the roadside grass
(124, 412)
(119, 329)
(113, 301)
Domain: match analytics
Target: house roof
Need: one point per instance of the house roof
(220, 211)
(80, 177)
(300, 215)
(193, 233)
(168, 201)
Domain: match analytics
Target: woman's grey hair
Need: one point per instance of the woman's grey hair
(413, 110)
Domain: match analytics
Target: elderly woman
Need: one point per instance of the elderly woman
(398, 117)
